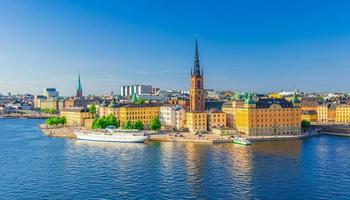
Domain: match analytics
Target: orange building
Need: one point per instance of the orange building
(112, 108)
(216, 119)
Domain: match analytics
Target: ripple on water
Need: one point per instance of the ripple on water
(37, 167)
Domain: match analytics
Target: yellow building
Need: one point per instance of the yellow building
(196, 121)
(230, 109)
(322, 113)
(230, 115)
(309, 115)
(216, 119)
(49, 103)
(274, 96)
(77, 116)
(326, 113)
(143, 112)
(268, 117)
(342, 113)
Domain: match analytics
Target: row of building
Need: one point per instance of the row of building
(247, 115)
(328, 113)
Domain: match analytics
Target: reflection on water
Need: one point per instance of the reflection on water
(291, 148)
(37, 167)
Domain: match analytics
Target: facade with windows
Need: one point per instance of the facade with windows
(268, 117)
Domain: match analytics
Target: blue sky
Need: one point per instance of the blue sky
(243, 45)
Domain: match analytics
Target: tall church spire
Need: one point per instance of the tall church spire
(79, 88)
(196, 66)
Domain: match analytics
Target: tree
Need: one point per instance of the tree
(48, 111)
(138, 125)
(112, 121)
(128, 125)
(56, 120)
(155, 124)
(305, 124)
(104, 122)
(92, 109)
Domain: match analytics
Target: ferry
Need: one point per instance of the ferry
(113, 135)
(241, 140)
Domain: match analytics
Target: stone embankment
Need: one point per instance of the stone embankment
(58, 131)
(188, 137)
(334, 129)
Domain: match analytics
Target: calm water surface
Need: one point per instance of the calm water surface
(33, 166)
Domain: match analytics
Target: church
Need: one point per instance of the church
(198, 119)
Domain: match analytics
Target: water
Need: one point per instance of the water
(33, 166)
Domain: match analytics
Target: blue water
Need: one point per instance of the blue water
(33, 166)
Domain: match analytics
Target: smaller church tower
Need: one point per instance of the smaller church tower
(79, 88)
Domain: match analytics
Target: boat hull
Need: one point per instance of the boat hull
(241, 143)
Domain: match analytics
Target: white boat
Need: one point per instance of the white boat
(241, 140)
(113, 135)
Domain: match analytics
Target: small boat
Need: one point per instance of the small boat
(241, 140)
(113, 135)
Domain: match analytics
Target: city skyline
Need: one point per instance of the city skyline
(261, 48)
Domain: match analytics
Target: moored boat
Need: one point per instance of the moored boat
(113, 135)
(241, 140)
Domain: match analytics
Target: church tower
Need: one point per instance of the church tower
(197, 85)
(79, 88)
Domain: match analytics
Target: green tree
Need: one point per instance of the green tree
(48, 111)
(138, 125)
(104, 122)
(55, 120)
(305, 124)
(155, 124)
(92, 109)
(112, 121)
(128, 125)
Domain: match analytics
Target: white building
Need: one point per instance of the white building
(51, 92)
(172, 117)
(128, 90)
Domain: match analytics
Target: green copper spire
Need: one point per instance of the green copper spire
(113, 104)
(79, 88)
(133, 98)
(249, 99)
(295, 98)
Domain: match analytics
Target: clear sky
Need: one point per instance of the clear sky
(243, 45)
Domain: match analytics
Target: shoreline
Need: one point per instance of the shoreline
(25, 116)
(68, 132)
